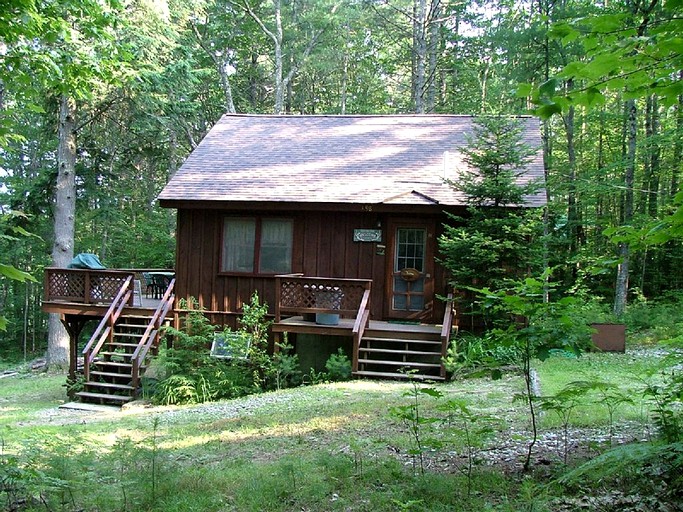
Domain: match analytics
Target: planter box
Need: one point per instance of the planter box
(609, 337)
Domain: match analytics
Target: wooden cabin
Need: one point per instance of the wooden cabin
(335, 216)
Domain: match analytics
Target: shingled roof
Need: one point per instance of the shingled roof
(378, 159)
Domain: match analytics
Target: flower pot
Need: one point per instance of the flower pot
(609, 337)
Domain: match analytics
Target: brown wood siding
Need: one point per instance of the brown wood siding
(323, 246)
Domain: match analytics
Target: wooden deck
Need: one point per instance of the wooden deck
(381, 349)
(89, 293)
(120, 302)
(297, 324)
(64, 307)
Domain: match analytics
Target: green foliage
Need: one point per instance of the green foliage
(657, 320)
(497, 156)
(497, 239)
(285, 367)
(536, 326)
(666, 397)
(470, 355)
(563, 404)
(411, 415)
(338, 366)
(190, 374)
(474, 428)
(453, 424)
(651, 470)
(636, 49)
(253, 321)
(9, 232)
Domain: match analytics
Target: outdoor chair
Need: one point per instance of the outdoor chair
(149, 285)
(159, 284)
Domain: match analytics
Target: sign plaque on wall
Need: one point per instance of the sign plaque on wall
(367, 235)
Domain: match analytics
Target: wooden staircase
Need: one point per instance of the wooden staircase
(111, 373)
(401, 351)
(117, 354)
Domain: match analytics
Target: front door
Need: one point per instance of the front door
(410, 271)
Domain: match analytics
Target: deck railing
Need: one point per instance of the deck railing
(150, 339)
(85, 286)
(297, 295)
(105, 330)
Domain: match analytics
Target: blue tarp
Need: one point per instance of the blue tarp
(86, 260)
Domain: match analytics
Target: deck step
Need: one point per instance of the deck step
(113, 363)
(111, 374)
(398, 351)
(384, 375)
(399, 363)
(109, 385)
(104, 396)
(402, 340)
(120, 354)
(123, 345)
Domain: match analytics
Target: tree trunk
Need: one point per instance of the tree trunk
(420, 53)
(655, 153)
(344, 81)
(277, 42)
(433, 49)
(222, 62)
(621, 287)
(225, 85)
(678, 145)
(64, 212)
(573, 220)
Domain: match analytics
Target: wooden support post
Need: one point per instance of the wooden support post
(74, 326)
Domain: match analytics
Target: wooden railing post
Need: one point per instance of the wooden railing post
(446, 328)
(360, 324)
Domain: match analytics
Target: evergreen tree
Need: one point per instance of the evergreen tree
(496, 240)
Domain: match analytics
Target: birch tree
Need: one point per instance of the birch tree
(307, 33)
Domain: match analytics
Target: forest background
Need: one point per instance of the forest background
(101, 100)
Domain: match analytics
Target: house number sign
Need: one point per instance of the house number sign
(367, 235)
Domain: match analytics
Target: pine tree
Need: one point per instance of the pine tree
(495, 241)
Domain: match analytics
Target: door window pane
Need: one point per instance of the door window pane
(410, 246)
(417, 303)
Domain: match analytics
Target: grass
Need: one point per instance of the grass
(330, 447)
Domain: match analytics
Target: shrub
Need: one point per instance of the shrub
(469, 355)
(189, 374)
(338, 366)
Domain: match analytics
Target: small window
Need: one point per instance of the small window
(257, 245)
(230, 345)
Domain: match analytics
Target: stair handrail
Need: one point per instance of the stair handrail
(105, 329)
(359, 326)
(446, 328)
(152, 333)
